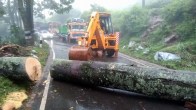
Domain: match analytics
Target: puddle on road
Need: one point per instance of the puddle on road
(65, 96)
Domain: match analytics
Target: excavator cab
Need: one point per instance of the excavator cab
(99, 40)
(106, 23)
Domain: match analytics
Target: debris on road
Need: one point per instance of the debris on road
(14, 100)
(71, 108)
(131, 44)
(146, 51)
(139, 48)
(190, 105)
(165, 56)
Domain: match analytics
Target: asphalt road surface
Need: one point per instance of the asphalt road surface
(65, 96)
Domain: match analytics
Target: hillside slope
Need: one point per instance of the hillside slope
(165, 27)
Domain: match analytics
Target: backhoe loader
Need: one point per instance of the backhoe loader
(99, 40)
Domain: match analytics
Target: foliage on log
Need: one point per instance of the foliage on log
(167, 84)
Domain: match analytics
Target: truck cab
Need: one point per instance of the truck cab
(76, 28)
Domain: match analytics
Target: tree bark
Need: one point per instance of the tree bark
(16, 15)
(20, 68)
(11, 14)
(26, 12)
(167, 84)
(22, 12)
(143, 3)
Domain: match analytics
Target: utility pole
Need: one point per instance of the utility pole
(29, 30)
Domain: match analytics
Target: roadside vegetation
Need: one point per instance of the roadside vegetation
(42, 53)
(150, 27)
(7, 86)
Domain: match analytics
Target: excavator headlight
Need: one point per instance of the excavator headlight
(79, 42)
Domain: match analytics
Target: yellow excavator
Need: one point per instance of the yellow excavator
(99, 40)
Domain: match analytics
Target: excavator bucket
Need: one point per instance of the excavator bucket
(80, 53)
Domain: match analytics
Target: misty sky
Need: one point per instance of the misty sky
(83, 5)
(108, 4)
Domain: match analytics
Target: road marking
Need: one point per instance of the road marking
(130, 59)
(142, 63)
(45, 94)
(53, 54)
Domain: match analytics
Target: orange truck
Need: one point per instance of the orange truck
(76, 28)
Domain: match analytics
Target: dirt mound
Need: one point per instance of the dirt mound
(13, 50)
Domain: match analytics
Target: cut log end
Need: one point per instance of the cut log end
(33, 68)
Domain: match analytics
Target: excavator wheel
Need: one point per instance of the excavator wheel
(80, 53)
(110, 52)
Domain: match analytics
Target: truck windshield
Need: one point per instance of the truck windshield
(78, 27)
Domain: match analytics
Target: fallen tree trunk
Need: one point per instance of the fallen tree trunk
(167, 84)
(190, 106)
(20, 68)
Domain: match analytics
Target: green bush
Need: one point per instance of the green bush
(135, 20)
(180, 14)
(7, 86)
(157, 3)
(17, 35)
(186, 29)
(179, 10)
(117, 19)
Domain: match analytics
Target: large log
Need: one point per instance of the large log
(20, 68)
(167, 84)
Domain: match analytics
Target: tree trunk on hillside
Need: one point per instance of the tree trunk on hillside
(26, 12)
(16, 14)
(143, 3)
(11, 14)
(167, 84)
(20, 68)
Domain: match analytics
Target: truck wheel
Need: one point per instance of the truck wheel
(110, 52)
(68, 38)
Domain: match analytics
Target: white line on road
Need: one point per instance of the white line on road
(141, 62)
(52, 47)
(128, 58)
(45, 94)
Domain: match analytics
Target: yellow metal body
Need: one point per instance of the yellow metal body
(96, 39)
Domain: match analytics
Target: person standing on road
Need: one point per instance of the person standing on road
(40, 41)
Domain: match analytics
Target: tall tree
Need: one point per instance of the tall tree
(143, 3)
(94, 7)
(26, 12)
(63, 18)
(10, 12)
(2, 11)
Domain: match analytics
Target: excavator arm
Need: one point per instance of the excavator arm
(95, 32)
(99, 39)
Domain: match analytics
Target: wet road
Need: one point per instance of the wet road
(65, 96)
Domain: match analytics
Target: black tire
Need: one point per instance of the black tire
(112, 42)
(68, 39)
(110, 52)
